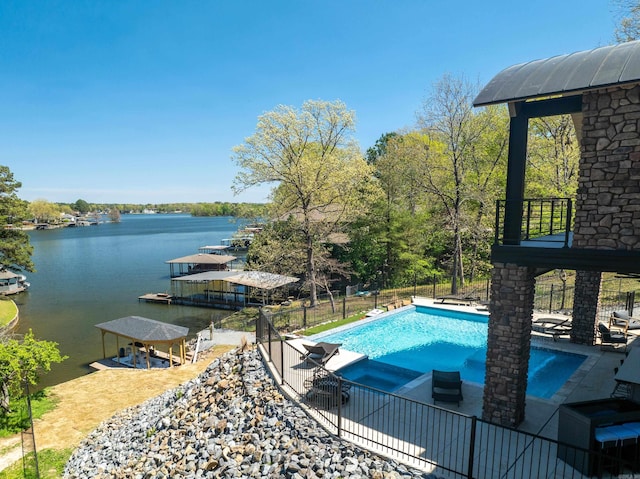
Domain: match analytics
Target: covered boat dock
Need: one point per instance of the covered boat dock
(198, 263)
(230, 289)
(144, 336)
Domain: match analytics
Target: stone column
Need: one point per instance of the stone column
(586, 305)
(509, 343)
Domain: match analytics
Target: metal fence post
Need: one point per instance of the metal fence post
(472, 446)
(344, 308)
(551, 298)
(304, 316)
(339, 394)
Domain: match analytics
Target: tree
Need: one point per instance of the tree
(15, 249)
(321, 179)
(628, 28)
(553, 156)
(114, 215)
(23, 361)
(81, 206)
(44, 211)
(461, 159)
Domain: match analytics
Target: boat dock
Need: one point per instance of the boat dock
(156, 298)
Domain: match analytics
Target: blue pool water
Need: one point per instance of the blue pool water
(426, 338)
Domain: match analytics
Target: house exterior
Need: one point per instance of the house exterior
(596, 232)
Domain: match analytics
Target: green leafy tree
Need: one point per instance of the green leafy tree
(44, 211)
(81, 206)
(467, 148)
(15, 249)
(553, 156)
(320, 177)
(24, 360)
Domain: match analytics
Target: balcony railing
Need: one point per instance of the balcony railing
(542, 219)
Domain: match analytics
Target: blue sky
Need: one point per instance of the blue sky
(142, 101)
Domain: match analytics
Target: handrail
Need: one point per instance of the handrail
(542, 219)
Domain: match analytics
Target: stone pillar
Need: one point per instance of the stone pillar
(508, 344)
(586, 305)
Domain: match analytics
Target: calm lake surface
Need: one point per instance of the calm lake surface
(89, 275)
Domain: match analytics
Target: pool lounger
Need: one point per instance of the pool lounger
(320, 352)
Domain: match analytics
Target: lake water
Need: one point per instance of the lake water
(94, 274)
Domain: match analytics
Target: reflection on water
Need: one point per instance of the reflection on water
(94, 274)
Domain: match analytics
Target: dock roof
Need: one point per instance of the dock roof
(144, 330)
(203, 258)
(260, 279)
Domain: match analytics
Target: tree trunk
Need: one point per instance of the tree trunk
(311, 273)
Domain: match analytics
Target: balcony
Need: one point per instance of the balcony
(538, 233)
(546, 223)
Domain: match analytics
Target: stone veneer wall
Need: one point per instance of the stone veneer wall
(608, 199)
(586, 304)
(508, 344)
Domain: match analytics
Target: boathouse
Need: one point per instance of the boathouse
(200, 262)
(596, 232)
(230, 289)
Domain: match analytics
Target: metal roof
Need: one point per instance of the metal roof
(203, 258)
(564, 74)
(260, 279)
(144, 330)
(206, 276)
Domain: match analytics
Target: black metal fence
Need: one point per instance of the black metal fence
(424, 435)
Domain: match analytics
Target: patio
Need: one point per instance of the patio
(407, 426)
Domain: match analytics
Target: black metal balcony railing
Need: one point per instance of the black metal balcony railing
(540, 219)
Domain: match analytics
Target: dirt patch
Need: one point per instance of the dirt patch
(87, 401)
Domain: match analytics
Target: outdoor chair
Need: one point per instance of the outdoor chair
(446, 386)
(326, 390)
(622, 319)
(321, 352)
(607, 338)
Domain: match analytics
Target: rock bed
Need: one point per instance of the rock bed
(231, 421)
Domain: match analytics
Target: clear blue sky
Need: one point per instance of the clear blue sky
(142, 101)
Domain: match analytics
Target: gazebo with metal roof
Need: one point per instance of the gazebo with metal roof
(147, 333)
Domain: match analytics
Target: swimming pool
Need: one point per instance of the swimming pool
(424, 338)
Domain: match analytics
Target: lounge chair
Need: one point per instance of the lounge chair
(320, 352)
(621, 319)
(554, 327)
(611, 339)
(446, 386)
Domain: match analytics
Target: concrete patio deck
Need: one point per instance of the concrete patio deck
(593, 380)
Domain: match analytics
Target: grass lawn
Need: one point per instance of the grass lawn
(8, 311)
(321, 328)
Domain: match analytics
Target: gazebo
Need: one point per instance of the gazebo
(148, 334)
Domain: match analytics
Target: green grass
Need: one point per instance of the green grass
(333, 324)
(8, 311)
(51, 464)
(18, 419)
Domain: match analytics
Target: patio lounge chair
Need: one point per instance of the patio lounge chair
(621, 319)
(611, 339)
(554, 327)
(446, 386)
(320, 352)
